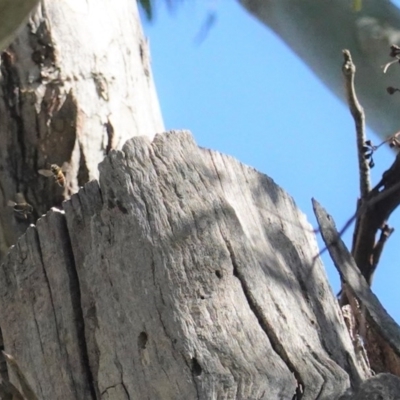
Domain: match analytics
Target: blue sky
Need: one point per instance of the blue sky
(244, 93)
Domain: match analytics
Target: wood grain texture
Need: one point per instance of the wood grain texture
(185, 275)
(71, 83)
(40, 319)
(382, 340)
(381, 386)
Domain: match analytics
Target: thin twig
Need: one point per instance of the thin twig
(357, 112)
(376, 254)
(367, 205)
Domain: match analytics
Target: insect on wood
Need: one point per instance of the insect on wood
(56, 172)
(22, 209)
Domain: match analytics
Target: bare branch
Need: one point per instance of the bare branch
(349, 70)
(386, 231)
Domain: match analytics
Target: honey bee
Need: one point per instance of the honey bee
(56, 172)
(21, 208)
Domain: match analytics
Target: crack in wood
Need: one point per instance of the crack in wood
(264, 324)
(75, 291)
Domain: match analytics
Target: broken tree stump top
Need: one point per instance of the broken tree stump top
(182, 274)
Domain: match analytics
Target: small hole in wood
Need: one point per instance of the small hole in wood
(196, 368)
(218, 273)
(142, 340)
(121, 207)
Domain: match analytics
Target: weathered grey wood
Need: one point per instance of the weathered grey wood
(75, 83)
(381, 386)
(194, 277)
(344, 262)
(40, 313)
(382, 334)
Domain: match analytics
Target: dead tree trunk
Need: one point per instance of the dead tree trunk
(182, 274)
(75, 83)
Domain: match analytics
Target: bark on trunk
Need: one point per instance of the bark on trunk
(183, 274)
(75, 83)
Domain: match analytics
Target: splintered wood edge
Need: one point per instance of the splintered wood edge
(345, 264)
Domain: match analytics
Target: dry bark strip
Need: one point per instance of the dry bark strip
(182, 274)
(383, 341)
